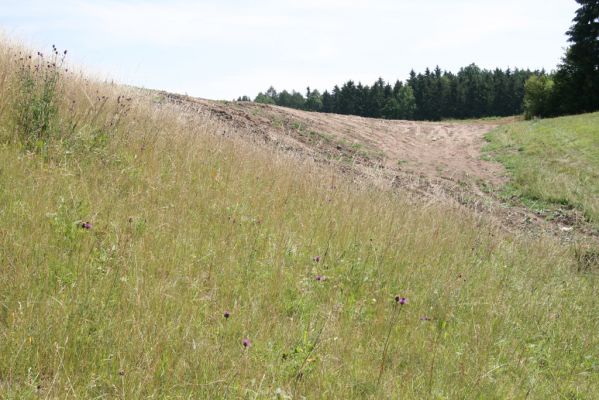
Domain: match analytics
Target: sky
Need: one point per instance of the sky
(225, 49)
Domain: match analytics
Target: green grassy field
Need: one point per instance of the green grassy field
(127, 232)
(552, 162)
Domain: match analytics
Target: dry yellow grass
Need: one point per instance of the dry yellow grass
(186, 225)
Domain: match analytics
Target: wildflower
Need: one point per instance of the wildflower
(316, 258)
(425, 318)
(400, 300)
(320, 278)
(246, 343)
(86, 225)
(226, 314)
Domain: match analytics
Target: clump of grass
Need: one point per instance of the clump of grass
(52, 111)
(35, 97)
(587, 258)
(298, 126)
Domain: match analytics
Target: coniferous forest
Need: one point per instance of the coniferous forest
(433, 95)
(472, 92)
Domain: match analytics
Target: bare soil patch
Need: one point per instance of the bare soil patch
(430, 161)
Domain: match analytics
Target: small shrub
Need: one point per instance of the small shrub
(538, 97)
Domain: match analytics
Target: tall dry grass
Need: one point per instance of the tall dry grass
(124, 242)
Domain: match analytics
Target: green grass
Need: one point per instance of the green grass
(187, 224)
(552, 162)
(494, 120)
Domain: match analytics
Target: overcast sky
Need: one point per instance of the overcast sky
(224, 49)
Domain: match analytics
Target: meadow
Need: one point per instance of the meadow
(144, 255)
(553, 162)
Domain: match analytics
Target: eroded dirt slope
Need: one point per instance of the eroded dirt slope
(431, 161)
(439, 150)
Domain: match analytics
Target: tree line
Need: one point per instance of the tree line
(433, 95)
(472, 92)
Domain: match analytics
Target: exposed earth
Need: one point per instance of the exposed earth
(427, 161)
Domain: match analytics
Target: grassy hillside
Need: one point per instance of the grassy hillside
(127, 233)
(553, 162)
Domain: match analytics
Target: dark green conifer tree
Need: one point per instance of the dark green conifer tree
(577, 78)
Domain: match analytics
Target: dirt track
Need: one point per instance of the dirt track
(436, 161)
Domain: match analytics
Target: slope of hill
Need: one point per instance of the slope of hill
(442, 150)
(435, 161)
(158, 250)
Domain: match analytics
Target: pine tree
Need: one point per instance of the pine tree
(347, 99)
(336, 95)
(264, 99)
(439, 91)
(407, 102)
(577, 78)
(272, 93)
(314, 101)
(376, 99)
(328, 105)
(361, 99)
(396, 88)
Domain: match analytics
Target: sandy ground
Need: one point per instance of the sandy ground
(434, 161)
(442, 150)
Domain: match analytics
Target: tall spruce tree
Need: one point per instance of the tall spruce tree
(577, 78)
(327, 102)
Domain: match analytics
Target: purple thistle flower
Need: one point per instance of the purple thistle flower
(400, 300)
(227, 314)
(320, 278)
(246, 343)
(86, 225)
(316, 258)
